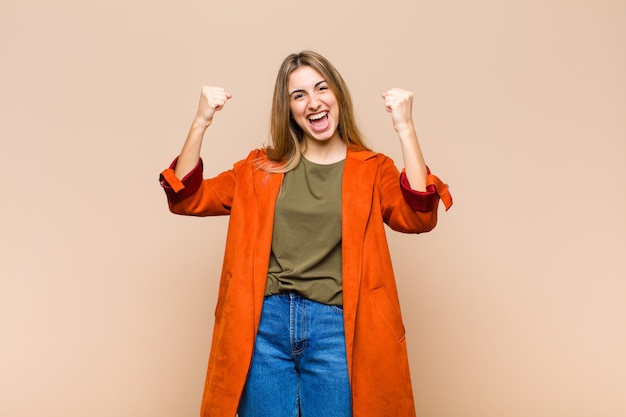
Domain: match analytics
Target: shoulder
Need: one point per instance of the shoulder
(255, 155)
(254, 158)
(257, 162)
(368, 156)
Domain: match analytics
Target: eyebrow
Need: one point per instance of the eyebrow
(302, 90)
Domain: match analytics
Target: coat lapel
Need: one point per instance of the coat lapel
(266, 188)
(357, 188)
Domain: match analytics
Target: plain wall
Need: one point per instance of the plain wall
(515, 305)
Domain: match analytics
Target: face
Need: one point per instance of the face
(313, 105)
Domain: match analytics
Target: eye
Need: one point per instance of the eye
(297, 96)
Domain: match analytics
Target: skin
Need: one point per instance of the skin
(212, 100)
(323, 146)
(309, 95)
(399, 103)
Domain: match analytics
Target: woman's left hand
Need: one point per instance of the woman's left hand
(399, 103)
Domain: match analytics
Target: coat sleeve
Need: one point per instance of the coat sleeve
(407, 210)
(195, 196)
(426, 200)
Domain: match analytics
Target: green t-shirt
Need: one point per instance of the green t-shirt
(306, 241)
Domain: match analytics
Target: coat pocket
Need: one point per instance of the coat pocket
(390, 311)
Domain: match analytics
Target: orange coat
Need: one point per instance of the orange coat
(375, 341)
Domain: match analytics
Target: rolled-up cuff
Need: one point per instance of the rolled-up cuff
(177, 189)
(425, 201)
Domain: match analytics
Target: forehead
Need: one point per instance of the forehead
(303, 77)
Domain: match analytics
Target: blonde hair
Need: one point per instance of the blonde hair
(287, 138)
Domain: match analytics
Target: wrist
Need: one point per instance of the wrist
(405, 130)
(200, 122)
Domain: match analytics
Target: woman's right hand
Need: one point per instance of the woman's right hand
(212, 99)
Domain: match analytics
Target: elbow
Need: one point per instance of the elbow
(429, 222)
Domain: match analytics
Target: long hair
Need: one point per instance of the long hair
(287, 138)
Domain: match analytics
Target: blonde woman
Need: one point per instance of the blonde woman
(308, 319)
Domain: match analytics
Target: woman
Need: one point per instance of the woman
(308, 320)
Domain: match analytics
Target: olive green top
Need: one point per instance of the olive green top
(306, 241)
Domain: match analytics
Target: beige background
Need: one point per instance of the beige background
(515, 305)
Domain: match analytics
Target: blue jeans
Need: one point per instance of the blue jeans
(299, 364)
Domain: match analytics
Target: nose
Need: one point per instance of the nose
(314, 102)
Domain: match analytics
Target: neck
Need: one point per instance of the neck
(325, 152)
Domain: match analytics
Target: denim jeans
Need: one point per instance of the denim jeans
(299, 363)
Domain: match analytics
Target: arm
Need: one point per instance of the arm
(400, 104)
(212, 99)
(404, 209)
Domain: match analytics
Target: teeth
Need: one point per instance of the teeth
(318, 115)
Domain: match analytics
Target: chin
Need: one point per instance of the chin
(324, 137)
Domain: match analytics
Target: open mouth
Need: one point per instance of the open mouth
(319, 119)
